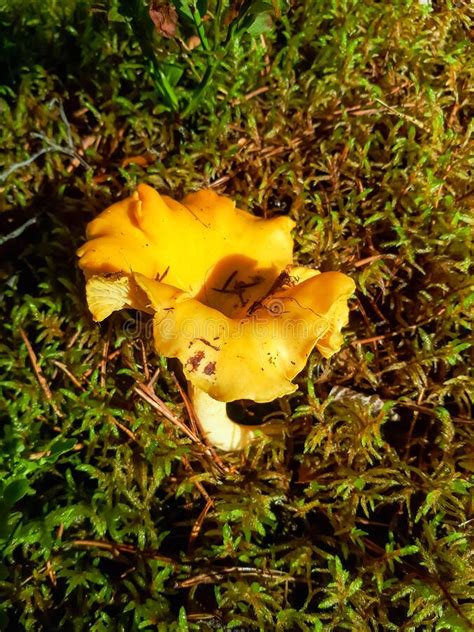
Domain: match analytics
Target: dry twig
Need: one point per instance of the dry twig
(39, 373)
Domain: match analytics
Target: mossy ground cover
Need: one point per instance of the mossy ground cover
(354, 119)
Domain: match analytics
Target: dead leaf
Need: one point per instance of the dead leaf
(164, 17)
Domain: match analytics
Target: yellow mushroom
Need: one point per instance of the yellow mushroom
(226, 300)
(203, 245)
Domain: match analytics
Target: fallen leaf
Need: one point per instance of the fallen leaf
(164, 17)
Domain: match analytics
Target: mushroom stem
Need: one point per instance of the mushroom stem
(215, 423)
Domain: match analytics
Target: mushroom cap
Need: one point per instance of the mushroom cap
(202, 245)
(256, 356)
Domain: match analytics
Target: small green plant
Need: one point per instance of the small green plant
(210, 36)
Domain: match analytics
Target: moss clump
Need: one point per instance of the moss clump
(354, 119)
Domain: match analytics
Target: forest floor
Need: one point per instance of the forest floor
(353, 118)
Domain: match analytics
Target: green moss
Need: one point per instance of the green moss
(358, 517)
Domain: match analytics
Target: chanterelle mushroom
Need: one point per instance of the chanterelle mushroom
(226, 299)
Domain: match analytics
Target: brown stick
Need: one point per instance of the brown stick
(39, 373)
(70, 375)
(105, 353)
(126, 430)
(122, 548)
(149, 396)
(199, 522)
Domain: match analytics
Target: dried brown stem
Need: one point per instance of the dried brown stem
(39, 373)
